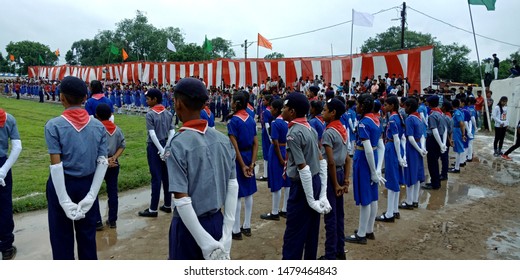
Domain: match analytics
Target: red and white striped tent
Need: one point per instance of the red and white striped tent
(416, 64)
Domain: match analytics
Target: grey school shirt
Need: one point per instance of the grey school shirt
(302, 147)
(9, 131)
(162, 123)
(115, 141)
(435, 121)
(201, 164)
(333, 139)
(79, 150)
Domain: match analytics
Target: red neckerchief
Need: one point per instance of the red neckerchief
(301, 121)
(436, 109)
(448, 114)
(3, 118)
(315, 98)
(242, 114)
(77, 117)
(208, 111)
(199, 126)
(393, 113)
(339, 128)
(417, 115)
(320, 118)
(159, 108)
(109, 126)
(98, 96)
(250, 107)
(373, 117)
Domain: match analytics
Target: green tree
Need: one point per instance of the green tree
(189, 52)
(4, 65)
(274, 55)
(390, 40)
(222, 48)
(29, 52)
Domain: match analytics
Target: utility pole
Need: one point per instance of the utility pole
(403, 22)
(245, 49)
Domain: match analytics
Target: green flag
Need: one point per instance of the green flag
(208, 47)
(490, 4)
(41, 59)
(114, 49)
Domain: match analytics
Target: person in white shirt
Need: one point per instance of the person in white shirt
(501, 123)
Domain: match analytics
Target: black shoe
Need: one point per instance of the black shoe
(356, 239)
(370, 236)
(443, 178)
(99, 226)
(406, 206)
(282, 214)
(415, 205)
(236, 236)
(246, 231)
(322, 258)
(453, 170)
(469, 160)
(165, 209)
(111, 224)
(146, 213)
(270, 216)
(262, 178)
(341, 256)
(383, 218)
(461, 165)
(397, 215)
(9, 254)
(429, 186)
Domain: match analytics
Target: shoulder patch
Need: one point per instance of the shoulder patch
(289, 138)
(361, 125)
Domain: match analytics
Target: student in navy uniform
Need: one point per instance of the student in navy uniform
(225, 107)
(447, 139)
(198, 229)
(434, 143)
(207, 115)
(97, 98)
(414, 154)
(469, 134)
(242, 133)
(472, 125)
(276, 158)
(116, 145)
(77, 146)
(159, 124)
(335, 144)
(266, 120)
(394, 161)
(307, 171)
(459, 136)
(365, 176)
(8, 131)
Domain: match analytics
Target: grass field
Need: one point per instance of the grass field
(31, 171)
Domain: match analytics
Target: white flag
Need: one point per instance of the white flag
(170, 46)
(74, 52)
(362, 19)
(21, 61)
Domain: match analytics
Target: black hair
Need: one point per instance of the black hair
(318, 106)
(73, 99)
(456, 103)
(155, 93)
(412, 104)
(351, 103)
(103, 111)
(246, 94)
(367, 101)
(193, 104)
(96, 87)
(268, 97)
(277, 104)
(377, 107)
(339, 111)
(433, 103)
(503, 98)
(240, 101)
(463, 100)
(341, 98)
(472, 100)
(447, 106)
(394, 101)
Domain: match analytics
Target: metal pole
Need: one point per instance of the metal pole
(351, 58)
(403, 22)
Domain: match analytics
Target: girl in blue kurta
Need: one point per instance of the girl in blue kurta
(242, 133)
(276, 159)
(458, 136)
(117, 93)
(111, 95)
(414, 154)
(128, 98)
(316, 120)
(365, 177)
(394, 162)
(266, 120)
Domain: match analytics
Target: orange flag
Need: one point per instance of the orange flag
(11, 57)
(125, 55)
(263, 42)
(57, 52)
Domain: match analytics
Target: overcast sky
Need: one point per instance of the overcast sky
(59, 23)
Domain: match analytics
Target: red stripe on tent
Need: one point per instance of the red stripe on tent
(274, 70)
(414, 71)
(225, 75)
(177, 71)
(346, 68)
(307, 70)
(262, 71)
(196, 71)
(249, 78)
(326, 70)
(167, 74)
(290, 73)
(213, 74)
(367, 67)
(393, 65)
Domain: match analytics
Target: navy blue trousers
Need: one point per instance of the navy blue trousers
(303, 223)
(62, 230)
(159, 174)
(182, 244)
(111, 178)
(434, 153)
(334, 220)
(445, 161)
(6, 211)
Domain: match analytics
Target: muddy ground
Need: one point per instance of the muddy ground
(474, 216)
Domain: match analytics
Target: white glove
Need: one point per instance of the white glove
(402, 162)
(470, 135)
(86, 203)
(230, 206)
(205, 241)
(423, 152)
(2, 182)
(58, 180)
(324, 202)
(155, 140)
(16, 148)
(369, 154)
(218, 254)
(443, 149)
(306, 178)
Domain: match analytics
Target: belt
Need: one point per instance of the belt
(361, 148)
(245, 150)
(389, 140)
(339, 167)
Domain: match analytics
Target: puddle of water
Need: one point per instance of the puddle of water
(505, 243)
(452, 193)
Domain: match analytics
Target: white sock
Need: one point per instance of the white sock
(372, 219)
(390, 205)
(364, 215)
(265, 169)
(416, 189)
(396, 201)
(248, 211)
(353, 145)
(285, 198)
(409, 195)
(236, 225)
(457, 161)
(464, 156)
(276, 202)
(470, 150)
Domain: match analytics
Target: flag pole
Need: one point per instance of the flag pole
(480, 68)
(351, 58)
(257, 74)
